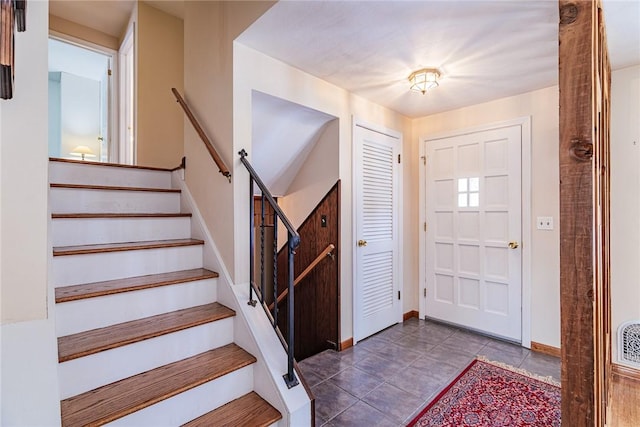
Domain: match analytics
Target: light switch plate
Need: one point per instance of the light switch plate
(544, 223)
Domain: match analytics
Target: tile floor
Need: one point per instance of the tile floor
(387, 378)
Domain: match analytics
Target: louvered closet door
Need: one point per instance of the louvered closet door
(377, 303)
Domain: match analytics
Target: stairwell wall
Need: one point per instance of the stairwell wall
(286, 82)
(209, 31)
(159, 121)
(28, 392)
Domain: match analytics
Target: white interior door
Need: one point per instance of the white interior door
(474, 227)
(376, 204)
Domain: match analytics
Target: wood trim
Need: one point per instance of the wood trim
(625, 371)
(112, 188)
(129, 284)
(584, 269)
(115, 400)
(346, 344)
(546, 349)
(117, 215)
(409, 315)
(119, 247)
(114, 165)
(97, 340)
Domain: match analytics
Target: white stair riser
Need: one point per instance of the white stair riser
(78, 316)
(193, 403)
(74, 173)
(89, 268)
(88, 231)
(93, 371)
(77, 200)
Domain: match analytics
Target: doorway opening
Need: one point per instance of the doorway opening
(80, 101)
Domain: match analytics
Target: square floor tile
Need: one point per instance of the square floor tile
(355, 381)
(331, 400)
(393, 401)
(362, 414)
(379, 367)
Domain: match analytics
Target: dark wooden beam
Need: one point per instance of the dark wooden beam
(584, 83)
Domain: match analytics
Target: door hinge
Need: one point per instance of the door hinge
(424, 160)
(398, 294)
(398, 158)
(108, 72)
(425, 227)
(425, 292)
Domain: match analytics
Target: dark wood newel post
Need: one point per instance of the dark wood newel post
(13, 15)
(584, 79)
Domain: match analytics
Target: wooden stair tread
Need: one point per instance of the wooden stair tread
(117, 165)
(127, 246)
(108, 287)
(96, 340)
(249, 410)
(115, 400)
(118, 215)
(115, 188)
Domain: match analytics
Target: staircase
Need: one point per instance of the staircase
(141, 338)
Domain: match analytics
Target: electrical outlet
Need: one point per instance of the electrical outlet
(544, 223)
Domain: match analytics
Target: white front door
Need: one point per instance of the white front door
(377, 235)
(473, 243)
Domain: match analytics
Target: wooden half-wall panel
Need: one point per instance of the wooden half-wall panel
(317, 297)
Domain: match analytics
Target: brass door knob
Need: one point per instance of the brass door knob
(513, 245)
(362, 243)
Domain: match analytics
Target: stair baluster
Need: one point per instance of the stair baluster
(293, 241)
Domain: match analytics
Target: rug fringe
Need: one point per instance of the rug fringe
(544, 379)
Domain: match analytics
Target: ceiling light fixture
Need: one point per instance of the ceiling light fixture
(424, 79)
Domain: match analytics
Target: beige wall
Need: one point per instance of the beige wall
(282, 81)
(542, 107)
(81, 32)
(625, 199)
(23, 176)
(160, 58)
(209, 31)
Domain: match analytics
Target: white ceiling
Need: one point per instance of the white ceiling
(485, 49)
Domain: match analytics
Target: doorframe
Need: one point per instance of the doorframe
(525, 171)
(113, 89)
(357, 122)
(127, 150)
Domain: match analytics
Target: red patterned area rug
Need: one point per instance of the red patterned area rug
(492, 394)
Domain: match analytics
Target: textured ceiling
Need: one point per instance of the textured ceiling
(485, 49)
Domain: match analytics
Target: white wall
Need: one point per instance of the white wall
(625, 199)
(542, 106)
(315, 178)
(282, 81)
(80, 115)
(23, 176)
(29, 395)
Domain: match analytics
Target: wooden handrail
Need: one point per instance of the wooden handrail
(224, 170)
(326, 252)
